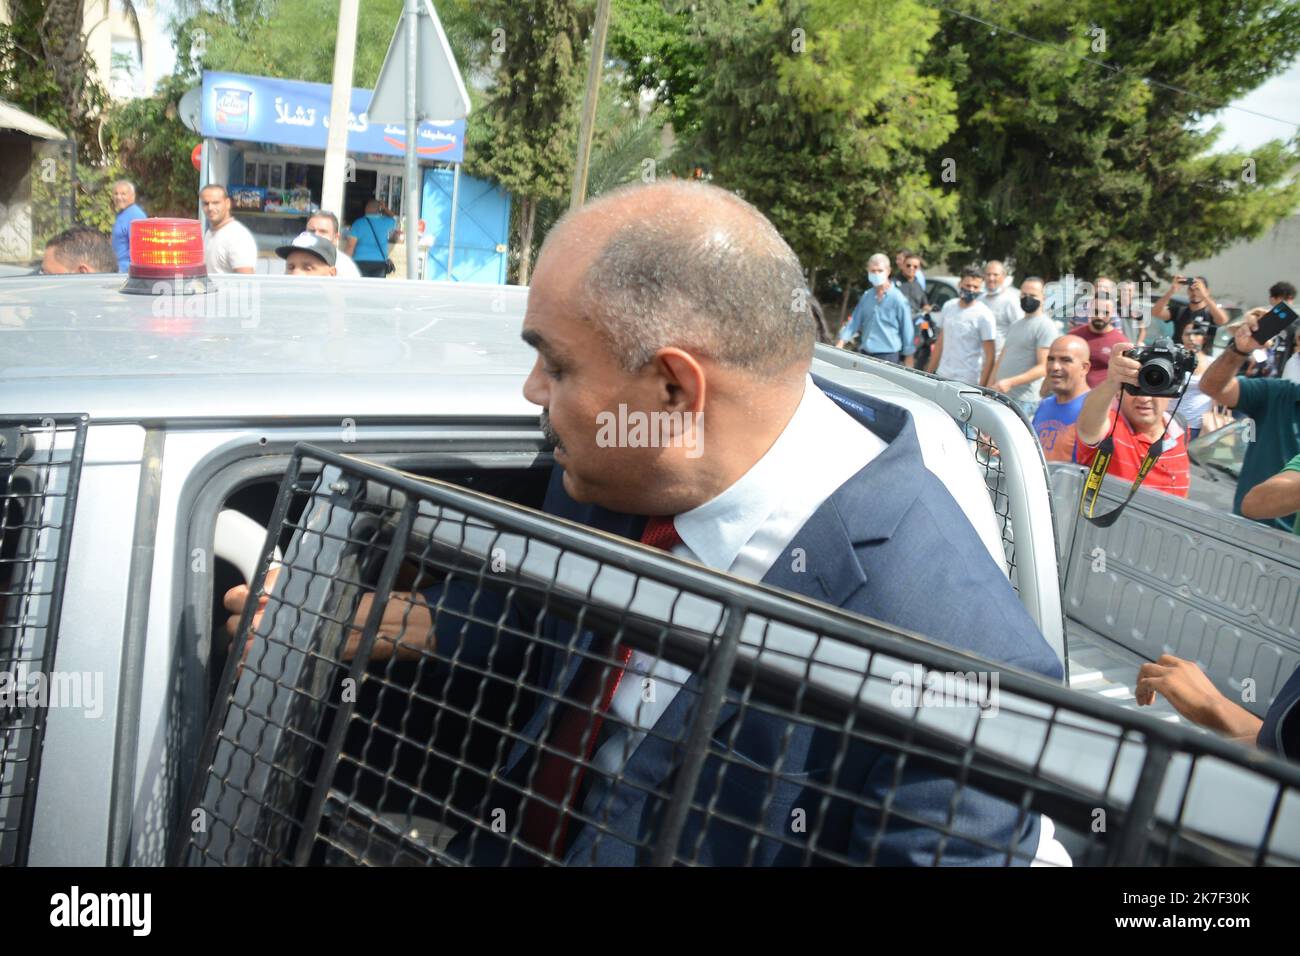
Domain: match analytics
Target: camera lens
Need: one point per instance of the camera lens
(1156, 375)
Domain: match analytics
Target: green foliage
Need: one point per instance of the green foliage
(626, 147)
(526, 135)
(154, 147)
(528, 132)
(45, 70)
(659, 51)
(817, 113)
(1070, 166)
(295, 39)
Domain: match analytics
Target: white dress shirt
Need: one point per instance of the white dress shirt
(743, 531)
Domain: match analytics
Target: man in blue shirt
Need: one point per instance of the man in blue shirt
(368, 239)
(127, 213)
(883, 316)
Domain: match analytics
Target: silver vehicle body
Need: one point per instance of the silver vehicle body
(189, 398)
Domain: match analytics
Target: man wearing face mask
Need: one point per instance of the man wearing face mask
(1022, 363)
(883, 317)
(1100, 332)
(1002, 299)
(964, 349)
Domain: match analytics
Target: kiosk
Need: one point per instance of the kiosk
(264, 140)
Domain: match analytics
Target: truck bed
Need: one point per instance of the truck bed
(1100, 666)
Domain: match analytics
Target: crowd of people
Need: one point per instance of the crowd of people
(1071, 386)
(229, 247)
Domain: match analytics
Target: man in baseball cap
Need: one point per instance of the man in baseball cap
(309, 255)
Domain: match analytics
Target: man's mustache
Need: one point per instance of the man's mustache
(549, 432)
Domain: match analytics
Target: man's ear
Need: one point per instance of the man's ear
(682, 380)
(83, 268)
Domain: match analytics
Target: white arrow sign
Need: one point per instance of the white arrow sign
(439, 92)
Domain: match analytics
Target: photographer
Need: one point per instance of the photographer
(1274, 404)
(1138, 421)
(1200, 308)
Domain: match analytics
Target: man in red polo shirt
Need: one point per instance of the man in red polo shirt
(1141, 421)
(1100, 333)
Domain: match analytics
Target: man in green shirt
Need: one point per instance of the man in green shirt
(1273, 403)
(1279, 495)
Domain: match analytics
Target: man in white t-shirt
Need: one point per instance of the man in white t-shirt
(967, 330)
(228, 246)
(326, 225)
(1003, 300)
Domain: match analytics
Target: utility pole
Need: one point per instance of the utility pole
(336, 145)
(588, 128)
(411, 181)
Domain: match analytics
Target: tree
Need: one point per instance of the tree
(526, 134)
(816, 111)
(659, 51)
(294, 39)
(45, 69)
(1071, 166)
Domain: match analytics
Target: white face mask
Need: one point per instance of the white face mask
(875, 278)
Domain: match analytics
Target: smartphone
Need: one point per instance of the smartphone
(1274, 321)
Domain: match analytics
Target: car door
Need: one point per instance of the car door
(420, 639)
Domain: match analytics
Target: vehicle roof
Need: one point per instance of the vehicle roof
(260, 346)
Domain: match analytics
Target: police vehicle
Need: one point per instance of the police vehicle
(167, 436)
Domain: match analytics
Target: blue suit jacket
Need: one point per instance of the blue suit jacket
(891, 544)
(1280, 731)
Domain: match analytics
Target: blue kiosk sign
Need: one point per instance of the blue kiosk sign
(260, 109)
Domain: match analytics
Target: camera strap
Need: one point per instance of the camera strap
(1101, 463)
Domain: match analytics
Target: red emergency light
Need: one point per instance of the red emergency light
(166, 255)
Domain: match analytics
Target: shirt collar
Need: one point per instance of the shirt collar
(716, 530)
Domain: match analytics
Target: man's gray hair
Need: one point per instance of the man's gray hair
(721, 284)
(326, 214)
(879, 259)
(127, 183)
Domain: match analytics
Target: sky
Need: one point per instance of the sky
(1278, 99)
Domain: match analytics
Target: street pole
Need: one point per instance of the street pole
(585, 132)
(455, 199)
(336, 144)
(412, 201)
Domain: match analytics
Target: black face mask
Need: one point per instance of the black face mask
(968, 296)
(1030, 304)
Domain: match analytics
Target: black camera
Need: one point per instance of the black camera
(1164, 371)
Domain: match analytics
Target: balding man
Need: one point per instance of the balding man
(882, 318)
(1067, 380)
(127, 213)
(672, 302)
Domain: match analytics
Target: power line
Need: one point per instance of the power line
(1113, 68)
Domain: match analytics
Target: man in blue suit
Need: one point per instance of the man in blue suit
(679, 305)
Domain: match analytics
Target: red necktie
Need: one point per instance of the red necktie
(578, 728)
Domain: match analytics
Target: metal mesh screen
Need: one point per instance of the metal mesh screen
(40, 464)
(989, 458)
(440, 677)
